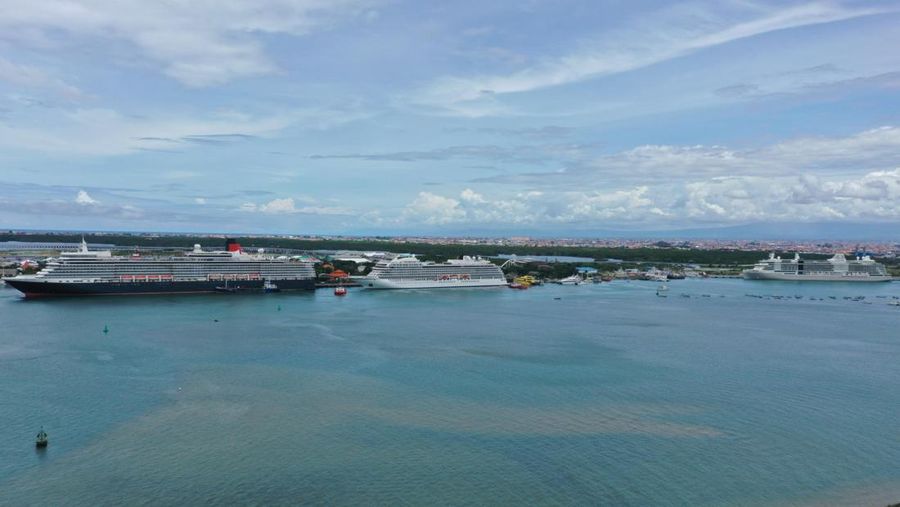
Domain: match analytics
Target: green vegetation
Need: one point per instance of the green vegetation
(660, 255)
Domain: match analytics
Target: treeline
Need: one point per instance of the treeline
(431, 251)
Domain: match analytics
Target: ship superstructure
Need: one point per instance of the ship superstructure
(411, 273)
(836, 269)
(86, 272)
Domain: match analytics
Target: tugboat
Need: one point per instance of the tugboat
(270, 287)
(41, 440)
(340, 291)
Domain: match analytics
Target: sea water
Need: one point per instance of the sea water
(718, 394)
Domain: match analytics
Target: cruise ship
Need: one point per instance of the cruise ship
(835, 269)
(85, 272)
(411, 273)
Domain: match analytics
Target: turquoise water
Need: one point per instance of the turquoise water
(609, 395)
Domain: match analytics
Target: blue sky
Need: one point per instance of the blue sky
(527, 117)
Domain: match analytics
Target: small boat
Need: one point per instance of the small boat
(340, 291)
(226, 289)
(571, 280)
(526, 280)
(270, 287)
(517, 285)
(41, 440)
(662, 290)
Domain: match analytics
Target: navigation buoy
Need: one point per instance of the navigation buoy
(105, 329)
(279, 308)
(41, 440)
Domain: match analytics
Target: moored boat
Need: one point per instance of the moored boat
(411, 273)
(86, 272)
(571, 280)
(836, 269)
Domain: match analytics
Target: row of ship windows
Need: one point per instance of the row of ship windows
(852, 269)
(435, 277)
(181, 268)
(308, 274)
(122, 265)
(441, 271)
(164, 272)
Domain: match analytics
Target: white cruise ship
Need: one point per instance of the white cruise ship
(411, 273)
(835, 269)
(87, 272)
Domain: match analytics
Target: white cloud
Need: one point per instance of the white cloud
(101, 131)
(434, 209)
(325, 210)
(470, 195)
(288, 206)
(279, 206)
(870, 150)
(674, 32)
(721, 200)
(30, 77)
(97, 131)
(197, 43)
(85, 199)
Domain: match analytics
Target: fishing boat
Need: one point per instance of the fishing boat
(42, 439)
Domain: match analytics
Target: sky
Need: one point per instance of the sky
(530, 117)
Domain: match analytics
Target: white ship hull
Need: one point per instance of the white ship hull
(754, 274)
(381, 283)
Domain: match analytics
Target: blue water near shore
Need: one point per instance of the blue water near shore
(606, 396)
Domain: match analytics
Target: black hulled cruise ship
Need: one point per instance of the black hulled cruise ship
(85, 272)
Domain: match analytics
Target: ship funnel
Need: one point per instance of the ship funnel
(232, 246)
